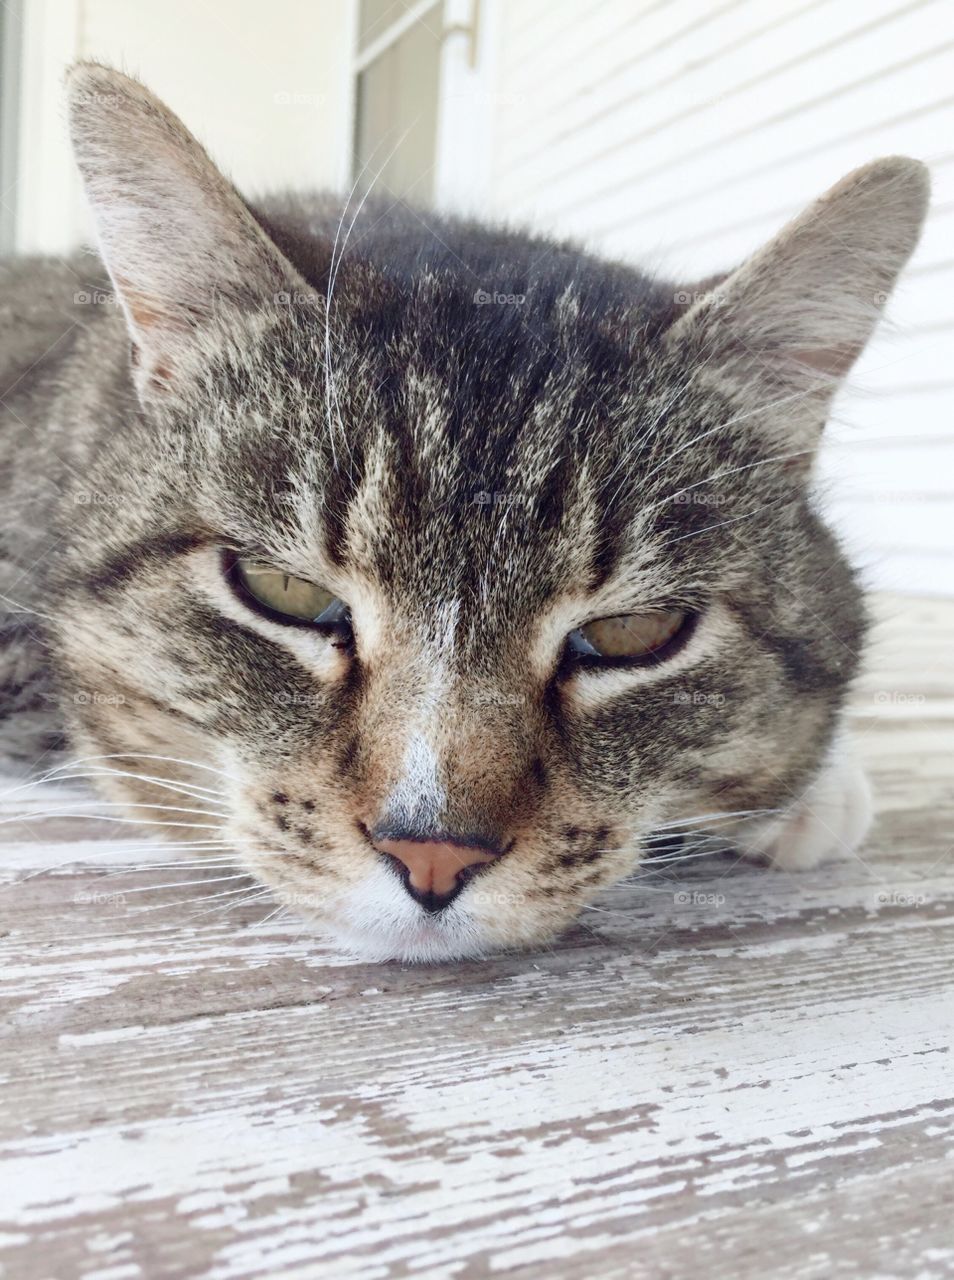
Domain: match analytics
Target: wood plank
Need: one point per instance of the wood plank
(722, 1071)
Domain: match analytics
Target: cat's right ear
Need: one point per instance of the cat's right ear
(781, 333)
(177, 239)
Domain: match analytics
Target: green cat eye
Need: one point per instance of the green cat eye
(629, 636)
(283, 594)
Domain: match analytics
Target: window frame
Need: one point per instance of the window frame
(464, 107)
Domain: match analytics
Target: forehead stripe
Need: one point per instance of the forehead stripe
(120, 566)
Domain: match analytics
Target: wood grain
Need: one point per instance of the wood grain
(729, 1072)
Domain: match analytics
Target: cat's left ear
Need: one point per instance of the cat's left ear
(179, 242)
(782, 331)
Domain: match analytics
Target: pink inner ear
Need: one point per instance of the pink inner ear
(835, 360)
(148, 322)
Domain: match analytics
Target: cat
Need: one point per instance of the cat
(435, 567)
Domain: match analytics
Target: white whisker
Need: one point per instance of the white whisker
(107, 817)
(184, 788)
(252, 894)
(88, 805)
(721, 814)
(179, 884)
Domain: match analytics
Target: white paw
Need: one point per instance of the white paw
(827, 823)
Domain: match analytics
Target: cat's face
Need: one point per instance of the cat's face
(461, 496)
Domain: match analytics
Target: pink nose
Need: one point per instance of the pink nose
(434, 865)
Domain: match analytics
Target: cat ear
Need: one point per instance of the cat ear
(178, 241)
(786, 327)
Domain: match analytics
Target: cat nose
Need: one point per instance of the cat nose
(435, 868)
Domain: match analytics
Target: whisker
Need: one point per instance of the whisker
(17, 607)
(331, 391)
(718, 813)
(723, 426)
(109, 850)
(107, 817)
(65, 772)
(185, 788)
(252, 892)
(95, 802)
(243, 902)
(142, 755)
(695, 851)
(202, 864)
(189, 884)
(650, 872)
(279, 911)
(718, 524)
(180, 905)
(730, 471)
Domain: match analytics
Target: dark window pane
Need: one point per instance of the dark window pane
(397, 113)
(376, 16)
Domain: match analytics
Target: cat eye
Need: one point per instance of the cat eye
(631, 638)
(285, 597)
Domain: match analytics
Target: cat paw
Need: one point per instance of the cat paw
(826, 824)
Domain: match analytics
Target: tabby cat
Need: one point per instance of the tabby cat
(439, 563)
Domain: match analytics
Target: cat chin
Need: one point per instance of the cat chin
(430, 944)
(428, 941)
(377, 920)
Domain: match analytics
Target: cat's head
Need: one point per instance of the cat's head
(459, 561)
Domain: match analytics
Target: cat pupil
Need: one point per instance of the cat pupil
(336, 613)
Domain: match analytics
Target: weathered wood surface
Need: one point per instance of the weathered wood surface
(725, 1073)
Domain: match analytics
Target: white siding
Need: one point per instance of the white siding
(682, 134)
(264, 86)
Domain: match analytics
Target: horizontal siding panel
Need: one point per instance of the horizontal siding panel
(664, 134)
(683, 136)
(888, 473)
(675, 41)
(903, 522)
(523, 24)
(759, 170)
(924, 574)
(870, 123)
(536, 54)
(896, 414)
(677, 90)
(557, 37)
(904, 359)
